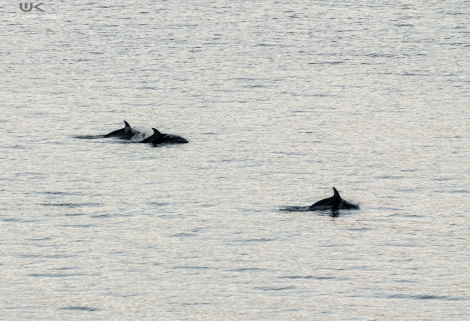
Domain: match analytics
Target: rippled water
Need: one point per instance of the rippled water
(280, 101)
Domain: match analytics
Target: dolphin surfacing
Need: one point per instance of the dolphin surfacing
(131, 133)
(124, 133)
(335, 202)
(159, 139)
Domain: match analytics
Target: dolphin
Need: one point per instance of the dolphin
(158, 138)
(333, 203)
(124, 133)
(134, 134)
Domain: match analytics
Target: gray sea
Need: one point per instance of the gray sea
(281, 101)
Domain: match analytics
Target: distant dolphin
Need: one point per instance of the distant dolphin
(127, 132)
(124, 133)
(333, 203)
(158, 138)
(135, 134)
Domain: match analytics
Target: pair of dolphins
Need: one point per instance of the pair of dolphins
(333, 203)
(157, 138)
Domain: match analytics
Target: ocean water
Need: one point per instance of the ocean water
(281, 101)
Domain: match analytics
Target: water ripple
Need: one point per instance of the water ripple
(428, 297)
(80, 308)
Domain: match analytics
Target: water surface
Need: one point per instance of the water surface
(280, 101)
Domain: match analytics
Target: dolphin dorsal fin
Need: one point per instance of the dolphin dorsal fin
(157, 132)
(126, 124)
(336, 193)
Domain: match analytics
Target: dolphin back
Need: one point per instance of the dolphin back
(117, 133)
(332, 202)
(158, 138)
(124, 133)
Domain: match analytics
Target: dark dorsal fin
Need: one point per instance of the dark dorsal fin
(336, 193)
(157, 132)
(128, 130)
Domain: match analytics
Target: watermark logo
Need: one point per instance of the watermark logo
(28, 7)
(32, 11)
